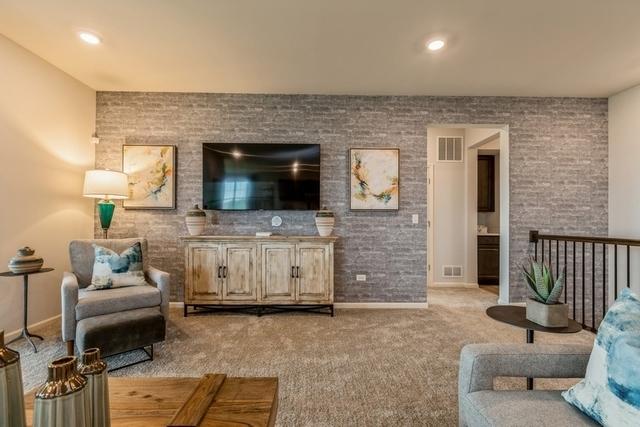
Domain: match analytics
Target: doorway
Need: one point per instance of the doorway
(468, 224)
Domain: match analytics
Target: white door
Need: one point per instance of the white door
(430, 210)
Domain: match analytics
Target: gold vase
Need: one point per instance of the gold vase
(95, 370)
(11, 392)
(63, 401)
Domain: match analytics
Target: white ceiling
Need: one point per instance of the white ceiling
(373, 47)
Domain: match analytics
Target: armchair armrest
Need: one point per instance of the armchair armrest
(161, 280)
(69, 300)
(481, 363)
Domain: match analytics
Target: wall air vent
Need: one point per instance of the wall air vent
(450, 148)
(451, 271)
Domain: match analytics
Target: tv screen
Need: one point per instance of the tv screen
(261, 176)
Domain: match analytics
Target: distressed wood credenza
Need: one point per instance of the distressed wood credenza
(258, 274)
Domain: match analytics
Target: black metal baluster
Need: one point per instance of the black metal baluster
(604, 279)
(583, 283)
(574, 280)
(565, 271)
(593, 286)
(550, 258)
(542, 251)
(557, 257)
(535, 250)
(628, 267)
(615, 272)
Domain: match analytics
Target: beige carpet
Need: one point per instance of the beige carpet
(361, 368)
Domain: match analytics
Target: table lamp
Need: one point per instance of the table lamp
(106, 185)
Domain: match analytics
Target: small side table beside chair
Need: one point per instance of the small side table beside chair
(114, 320)
(25, 305)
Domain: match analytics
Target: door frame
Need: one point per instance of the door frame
(504, 204)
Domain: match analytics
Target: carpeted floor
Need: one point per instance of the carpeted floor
(360, 368)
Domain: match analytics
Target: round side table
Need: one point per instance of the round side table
(517, 316)
(25, 284)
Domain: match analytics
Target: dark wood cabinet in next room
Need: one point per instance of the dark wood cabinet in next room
(486, 183)
(488, 260)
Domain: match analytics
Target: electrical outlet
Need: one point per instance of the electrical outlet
(414, 219)
(361, 277)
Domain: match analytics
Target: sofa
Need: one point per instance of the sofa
(480, 405)
(114, 320)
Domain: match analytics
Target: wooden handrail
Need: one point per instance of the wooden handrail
(534, 236)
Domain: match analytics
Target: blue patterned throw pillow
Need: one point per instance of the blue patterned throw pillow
(610, 391)
(111, 270)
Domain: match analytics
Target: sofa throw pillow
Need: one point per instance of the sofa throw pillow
(610, 391)
(111, 270)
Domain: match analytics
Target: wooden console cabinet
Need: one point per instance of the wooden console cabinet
(260, 273)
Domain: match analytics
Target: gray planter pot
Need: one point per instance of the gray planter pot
(548, 315)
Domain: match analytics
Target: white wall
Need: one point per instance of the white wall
(449, 230)
(46, 120)
(624, 176)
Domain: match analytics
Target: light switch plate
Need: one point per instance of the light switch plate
(361, 277)
(414, 219)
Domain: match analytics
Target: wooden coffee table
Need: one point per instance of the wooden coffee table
(155, 401)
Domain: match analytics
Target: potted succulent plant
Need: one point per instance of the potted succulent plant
(543, 307)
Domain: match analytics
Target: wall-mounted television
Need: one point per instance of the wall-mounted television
(260, 176)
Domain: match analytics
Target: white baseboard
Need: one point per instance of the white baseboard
(454, 285)
(11, 335)
(410, 305)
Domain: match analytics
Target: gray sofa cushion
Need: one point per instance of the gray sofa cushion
(120, 332)
(106, 301)
(81, 253)
(521, 408)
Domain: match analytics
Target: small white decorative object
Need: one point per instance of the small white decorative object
(325, 221)
(276, 221)
(196, 220)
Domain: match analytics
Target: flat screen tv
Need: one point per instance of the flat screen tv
(260, 176)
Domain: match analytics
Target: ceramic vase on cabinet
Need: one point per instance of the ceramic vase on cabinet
(95, 370)
(325, 221)
(11, 392)
(63, 401)
(196, 220)
(25, 261)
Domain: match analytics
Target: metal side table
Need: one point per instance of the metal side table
(25, 282)
(517, 316)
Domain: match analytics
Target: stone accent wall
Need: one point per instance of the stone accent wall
(558, 155)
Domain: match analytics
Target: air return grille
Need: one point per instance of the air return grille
(450, 148)
(451, 271)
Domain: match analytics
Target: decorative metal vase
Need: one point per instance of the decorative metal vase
(548, 315)
(325, 221)
(11, 392)
(63, 401)
(196, 220)
(25, 261)
(95, 370)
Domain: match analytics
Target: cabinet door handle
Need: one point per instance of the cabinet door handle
(298, 272)
(224, 271)
(219, 272)
(293, 272)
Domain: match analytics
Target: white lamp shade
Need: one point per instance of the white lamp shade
(105, 184)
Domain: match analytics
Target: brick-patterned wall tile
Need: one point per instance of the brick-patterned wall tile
(558, 172)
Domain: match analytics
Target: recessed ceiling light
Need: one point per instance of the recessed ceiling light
(89, 38)
(436, 44)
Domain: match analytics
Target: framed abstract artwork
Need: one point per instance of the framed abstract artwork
(374, 179)
(152, 176)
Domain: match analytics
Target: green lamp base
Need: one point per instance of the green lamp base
(105, 210)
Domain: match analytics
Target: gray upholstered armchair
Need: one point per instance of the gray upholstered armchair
(480, 405)
(112, 314)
